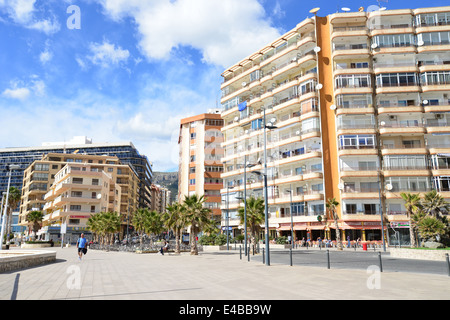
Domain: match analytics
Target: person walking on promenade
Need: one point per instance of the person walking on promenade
(81, 245)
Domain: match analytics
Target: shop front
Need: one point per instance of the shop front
(362, 230)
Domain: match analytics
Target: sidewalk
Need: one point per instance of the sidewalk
(208, 276)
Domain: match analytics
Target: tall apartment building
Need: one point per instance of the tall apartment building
(41, 186)
(361, 105)
(126, 152)
(200, 153)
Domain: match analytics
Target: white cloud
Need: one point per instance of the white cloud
(19, 10)
(21, 91)
(225, 31)
(45, 56)
(106, 54)
(46, 26)
(22, 13)
(17, 93)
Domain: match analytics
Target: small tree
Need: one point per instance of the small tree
(412, 204)
(197, 217)
(35, 219)
(140, 223)
(175, 219)
(332, 205)
(430, 228)
(255, 217)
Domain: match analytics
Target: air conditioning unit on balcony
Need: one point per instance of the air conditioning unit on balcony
(393, 118)
(439, 116)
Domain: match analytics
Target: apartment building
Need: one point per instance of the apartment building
(359, 105)
(126, 152)
(200, 154)
(41, 179)
(160, 198)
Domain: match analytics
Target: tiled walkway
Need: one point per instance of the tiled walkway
(209, 276)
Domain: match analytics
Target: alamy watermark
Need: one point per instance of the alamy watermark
(74, 20)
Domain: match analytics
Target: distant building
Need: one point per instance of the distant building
(126, 152)
(43, 191)
(200, 154)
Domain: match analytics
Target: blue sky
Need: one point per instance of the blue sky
(134, 68)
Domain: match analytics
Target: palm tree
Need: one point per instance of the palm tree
(94, 225)
(139, 221)
(433, 204)
(255, 217)
(13, 200)
(112, 221)
(175, 219)
(154, 223)
(197, 217)
(35, 218)
(412, 204)
(332, 205)
(104, 225)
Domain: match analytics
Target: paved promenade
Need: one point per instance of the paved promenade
(209, 276)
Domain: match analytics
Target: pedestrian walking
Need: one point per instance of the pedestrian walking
(81, 245)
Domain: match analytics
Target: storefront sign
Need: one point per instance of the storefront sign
(399, 224)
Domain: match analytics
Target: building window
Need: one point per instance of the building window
(77, 180)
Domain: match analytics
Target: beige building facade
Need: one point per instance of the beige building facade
(40, 181)
(361, 106)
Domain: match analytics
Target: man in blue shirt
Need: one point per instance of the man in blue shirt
(81, 245)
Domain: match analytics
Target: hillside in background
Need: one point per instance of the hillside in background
(168, 180)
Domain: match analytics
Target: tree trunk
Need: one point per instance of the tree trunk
(338, 234)
(412, 236)
(177, 241)
(193, 241)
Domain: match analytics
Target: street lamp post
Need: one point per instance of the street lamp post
(9, 168)
(228, 217)
(246, 165)
(292, 218)
(266, 197)
(381, 211)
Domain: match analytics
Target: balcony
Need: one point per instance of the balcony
(360, 193)
(399, 108)
(436, 106)
(358, 171)
(407, 170)
(395, 67)
(355, 150)
(349, 31)
(351, 51)
(437, 85)
(403, 149)
(355, 108)
(398, 87)
(437, 126)
(357, 127)
(402, 127)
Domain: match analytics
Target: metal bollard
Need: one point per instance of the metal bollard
(263, 258)
(240, 252)
(448, 263)
(381, 264)
(328, 258)
(290, 255)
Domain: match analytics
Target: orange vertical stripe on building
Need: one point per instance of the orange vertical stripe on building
(327, 116)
